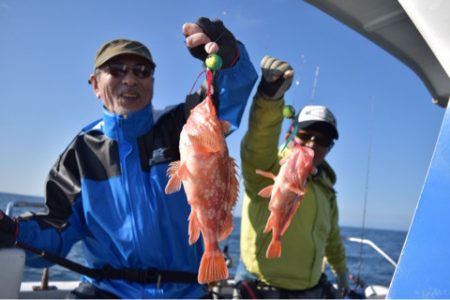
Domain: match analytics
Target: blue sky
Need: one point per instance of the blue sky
(47, 52)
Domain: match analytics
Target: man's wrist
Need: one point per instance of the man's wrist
(9, 231)
(270, 91)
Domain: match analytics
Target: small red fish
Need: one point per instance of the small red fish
(209, 179)
(286, 194)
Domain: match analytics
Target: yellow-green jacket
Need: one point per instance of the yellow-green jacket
(313, 233)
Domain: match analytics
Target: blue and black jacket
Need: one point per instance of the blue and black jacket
(107, 189)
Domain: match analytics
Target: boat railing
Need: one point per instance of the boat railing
(22, 204)
(375, 247)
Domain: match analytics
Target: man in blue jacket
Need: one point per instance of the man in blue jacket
(107, 187)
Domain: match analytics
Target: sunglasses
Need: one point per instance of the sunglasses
(119, 70)
(319, 140)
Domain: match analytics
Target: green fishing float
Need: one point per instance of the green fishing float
(213, 62)
(288, 111)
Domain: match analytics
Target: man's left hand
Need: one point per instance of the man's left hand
(8, 231)
(276, 78)
(211, 36)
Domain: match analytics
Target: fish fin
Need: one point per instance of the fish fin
(309, 152)
(290, 216)
(225, 127)
(269, 224)
(233, 182)
(274, 249)
(174, 183)
(212, 266)
(266, 192)
(227, 228)
(266, 174)
(194, 227)
(283, 160)
(296, 190)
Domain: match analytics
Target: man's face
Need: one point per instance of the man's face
(316, 140)
(124, 84)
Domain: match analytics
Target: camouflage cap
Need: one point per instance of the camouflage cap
(119, 47)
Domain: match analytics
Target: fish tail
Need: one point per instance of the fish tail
(212, 266)
(274, 249)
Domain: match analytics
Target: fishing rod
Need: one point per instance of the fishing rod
(150, 275)
(366, 190)
(68, 264)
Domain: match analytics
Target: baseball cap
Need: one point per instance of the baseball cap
(119, 47)
(312, 114)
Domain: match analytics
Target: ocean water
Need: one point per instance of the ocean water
(363, 261)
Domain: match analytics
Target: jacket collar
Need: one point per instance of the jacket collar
(325, 175)
(128, 126)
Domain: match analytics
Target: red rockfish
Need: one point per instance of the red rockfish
(286, 194)
(209, 179)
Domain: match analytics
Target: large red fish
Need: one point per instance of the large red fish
(286, 194)
(209, 179)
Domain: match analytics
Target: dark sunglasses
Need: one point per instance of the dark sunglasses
(319, 140)
(118, 70)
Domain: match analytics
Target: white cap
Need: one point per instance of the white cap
(317, 113)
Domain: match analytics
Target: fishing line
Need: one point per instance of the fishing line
(196, 80)
(366, 190)
(316, 79)
(296, 81)
(293, 133)
(296, 92)
(289, 112)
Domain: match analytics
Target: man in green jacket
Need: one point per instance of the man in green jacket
(313, 236)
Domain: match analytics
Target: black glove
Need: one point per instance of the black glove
(217, 32)
(276, 78)
(8, 231)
